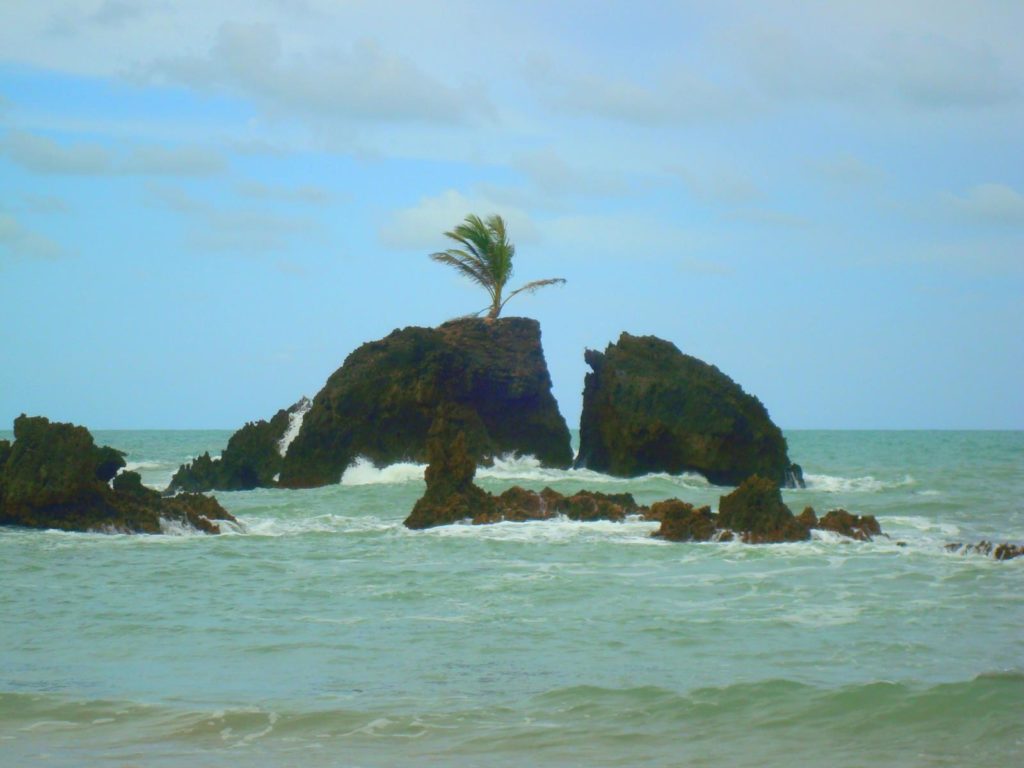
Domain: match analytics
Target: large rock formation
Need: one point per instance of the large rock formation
(55, 476)
(380, 404)
(252, 459)
(647, 407)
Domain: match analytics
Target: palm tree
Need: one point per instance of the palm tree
(486, 258)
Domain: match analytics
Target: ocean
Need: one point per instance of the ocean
(323, 633)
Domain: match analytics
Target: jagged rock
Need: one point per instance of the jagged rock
(380, 404)
(756, 512)
(590, 505)
(55, 476)
(647, 407)
(451, 496)
(1004, 551)
(682, 522)
(252, 459)
(852, 526)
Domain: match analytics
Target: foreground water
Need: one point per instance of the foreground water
(322, 633)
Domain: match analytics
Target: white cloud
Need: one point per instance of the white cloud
(620, 235)
(171, 161)
(17, 242)
(873, 66)
(421, 226)
(365, 83)
(679, 95)
(846, 170)
(550, 173)
(310, 194)
(719, 184)
(44, 155)
(237, 230)
(991, 203)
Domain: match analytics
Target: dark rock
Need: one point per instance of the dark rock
(588, 506)
(755, 511)
(853, 526)
(252, 459)
(683, 522)
(381, 403)
(55, 476)
(807, 518)
(1004, 551)
(451, 495)
(1007, 551)
(647, 407)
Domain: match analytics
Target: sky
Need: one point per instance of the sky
(205, 206)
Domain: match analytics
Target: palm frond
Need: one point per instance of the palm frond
(534, 286)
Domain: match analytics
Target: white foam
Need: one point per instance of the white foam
(295, 419)
(508, 468)
(528, 468)
(559, 529)
(135, 466)
(363, 472)
(865, 484)
(329, 523)
(178, 528)
(921, 524)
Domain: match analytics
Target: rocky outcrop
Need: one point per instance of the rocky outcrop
(252, 459)
(491, 376)
(647, 407)
(756, 514)
(451, 496)
(754, 511)
(55, 476)
(862, 528)
(1004, 551)
(683, 522)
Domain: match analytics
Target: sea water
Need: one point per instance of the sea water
(321, 632)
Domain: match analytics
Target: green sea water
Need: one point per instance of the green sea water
(321, 632)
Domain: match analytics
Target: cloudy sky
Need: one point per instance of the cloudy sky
(205, 206)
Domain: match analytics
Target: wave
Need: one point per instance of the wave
(364, 472)
(865, 484)
(773, 722)
(512, 468)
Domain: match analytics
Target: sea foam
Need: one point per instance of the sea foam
(295, 419)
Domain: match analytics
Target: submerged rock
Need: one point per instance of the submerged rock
(252, 459)
(491, 377)
(1004, 551)
(683, 522)
(862, 528)
(647, 407)
(55, 476)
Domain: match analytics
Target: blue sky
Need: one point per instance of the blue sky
(205, 206)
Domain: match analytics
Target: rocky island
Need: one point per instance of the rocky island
(381, 402)
(55, 476)
(647, 407)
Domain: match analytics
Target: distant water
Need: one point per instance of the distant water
(325, 634)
